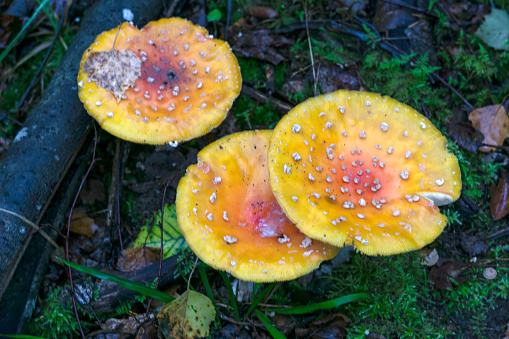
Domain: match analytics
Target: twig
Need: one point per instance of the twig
(310, 47)
(69, 271)
(267, 298)
(499, 234)
(114, 196)
(233, 321)
(34, 226)
(46, 57)
(161, 224)
(228, 17)
(190, 275)
(262, 98)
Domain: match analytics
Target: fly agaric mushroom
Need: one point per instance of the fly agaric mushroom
(168, 82)
(358, 168)
(231, 219)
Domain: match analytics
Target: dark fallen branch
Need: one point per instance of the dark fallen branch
(111, 294)
(263, 99)
(32, 169)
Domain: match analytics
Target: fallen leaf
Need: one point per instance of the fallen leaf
(499, 203)
(465, 135)
(130, 325)
(442, 275)
(188, 316)
(93, 191)
(262, 12)
(83, 224)
(429, 257)
(115, 70)
(172, 236)
(284, 323)
(494, 31)
(136, 258)
(473, 245)
(493, 122)
(260, 44)
(330, 326)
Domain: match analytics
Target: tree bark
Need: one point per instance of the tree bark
(43, 150)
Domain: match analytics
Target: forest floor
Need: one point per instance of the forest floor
(430, 57)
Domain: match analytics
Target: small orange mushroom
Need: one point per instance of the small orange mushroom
(168, 82)
(358, 168)
(231, 219)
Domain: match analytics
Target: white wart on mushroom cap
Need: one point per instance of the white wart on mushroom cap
(233, 222)
(168, 82)
(358, 168)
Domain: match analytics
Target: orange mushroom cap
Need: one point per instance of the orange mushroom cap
(231, 219)
(168, 82)
(358, 168)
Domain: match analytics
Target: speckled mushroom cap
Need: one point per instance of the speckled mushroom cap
(231, 219)
(358, 168)
(168, 82)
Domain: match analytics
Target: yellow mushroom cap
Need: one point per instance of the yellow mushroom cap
(231, 219)
(168, 82)
(361, 169)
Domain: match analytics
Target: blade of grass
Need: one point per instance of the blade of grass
(19, 336)
(15, 40)
(134, 286)
(232, 295)
(206, 284)
(259, 298)
(321, 306)
(50, 14)
(274, 332)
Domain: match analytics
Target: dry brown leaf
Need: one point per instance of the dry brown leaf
(262, 12)
(83, 224)
(136, 258)
(499, 204)
(114, 70)
(493, 122)
(442, 275)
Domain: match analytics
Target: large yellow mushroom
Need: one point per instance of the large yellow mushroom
(168, 82)
(231, 219)
(361, 169)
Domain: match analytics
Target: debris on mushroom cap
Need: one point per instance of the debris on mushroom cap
(379, 170)
(243, 230)
(168, 82)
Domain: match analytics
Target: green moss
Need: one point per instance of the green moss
(55, 316)
(401, 304)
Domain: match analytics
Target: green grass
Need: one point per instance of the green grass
(9, 99)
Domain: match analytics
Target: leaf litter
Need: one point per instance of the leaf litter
(115, 70)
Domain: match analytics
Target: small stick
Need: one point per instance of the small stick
(310, 48)
(34, 226)
(69, 271)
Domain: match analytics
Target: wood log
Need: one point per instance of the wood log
(43, 150)
(111, 294)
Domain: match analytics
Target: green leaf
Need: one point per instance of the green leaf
(27, 25)
(134, 286)
(214, 15)
(188, 316)
(494, 31)
(274, 332)
(321, 306)
(173, 239)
